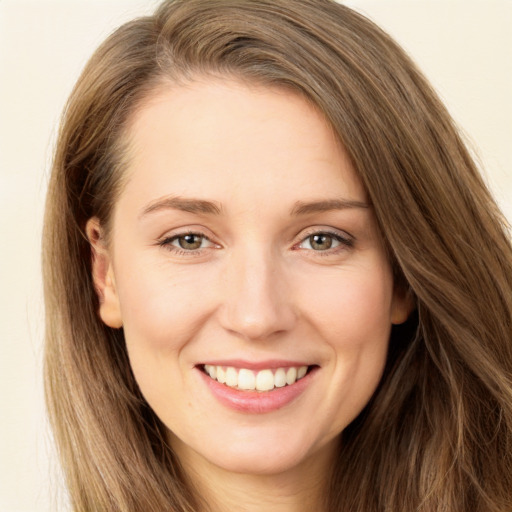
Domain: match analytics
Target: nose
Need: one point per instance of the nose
(257, 302)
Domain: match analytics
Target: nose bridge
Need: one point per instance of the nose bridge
(256, 299)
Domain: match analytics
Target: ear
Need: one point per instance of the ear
(103, 275)
(402, 305)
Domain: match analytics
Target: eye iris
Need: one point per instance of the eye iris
(190, 241)
(321, 242)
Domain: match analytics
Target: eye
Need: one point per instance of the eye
(319, 242)
(323, 241)
(187, 242)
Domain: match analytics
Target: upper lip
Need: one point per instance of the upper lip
(256, 365)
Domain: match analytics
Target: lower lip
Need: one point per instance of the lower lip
(256, 402)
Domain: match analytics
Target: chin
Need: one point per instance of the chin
(258, 462)
(266, 454)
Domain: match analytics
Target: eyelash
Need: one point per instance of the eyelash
(345, 241)
(166, 243)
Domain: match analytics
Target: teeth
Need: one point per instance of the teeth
(280, 377)
(246, 379)
(249, 380)
(221, 374)
(212, 371)
(301, 372)
(231, 377)
(265, 380)
(291, 375)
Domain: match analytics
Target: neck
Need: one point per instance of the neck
(300, 489)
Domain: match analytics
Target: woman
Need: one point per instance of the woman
(274, 277)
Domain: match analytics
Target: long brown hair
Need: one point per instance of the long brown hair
(437, 435)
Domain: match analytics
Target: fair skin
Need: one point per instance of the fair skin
(243, 239)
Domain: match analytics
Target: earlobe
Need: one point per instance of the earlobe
(402, 306)
(103, 275)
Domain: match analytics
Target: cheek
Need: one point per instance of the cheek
(352, 307)
(161, 306)
(161, 313)
(352, 318)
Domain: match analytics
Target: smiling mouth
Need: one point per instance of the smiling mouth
(244, 379)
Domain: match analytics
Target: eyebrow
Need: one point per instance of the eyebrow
(192, 205)
(303, 208)
(189, 205)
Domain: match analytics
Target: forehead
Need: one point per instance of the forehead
(224, 139)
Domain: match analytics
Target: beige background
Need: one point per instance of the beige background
(464, 47)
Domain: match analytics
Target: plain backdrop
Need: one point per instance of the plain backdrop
(463, 46)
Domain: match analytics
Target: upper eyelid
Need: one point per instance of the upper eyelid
(171, 238)
(176, 233)
(185, 233)
(305, 233)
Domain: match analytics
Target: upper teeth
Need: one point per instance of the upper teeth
(263, 380)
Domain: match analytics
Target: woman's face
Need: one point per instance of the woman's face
(243, 245)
